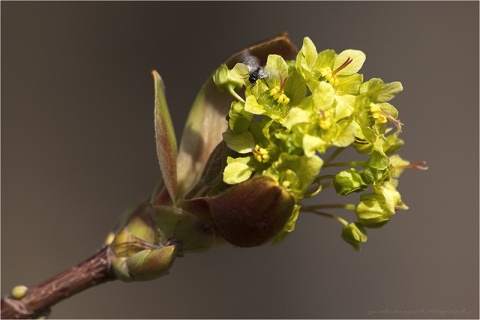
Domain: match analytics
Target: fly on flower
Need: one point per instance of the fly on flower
(255, 71)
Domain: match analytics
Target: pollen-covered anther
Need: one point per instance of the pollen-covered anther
(283, 99)
(324, 120)
(277, 94)
(289, 175)
(329, 76)
(286, 184)
(377, 113)
(274, 91)
(261, 154)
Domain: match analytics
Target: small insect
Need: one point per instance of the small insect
(255, 71)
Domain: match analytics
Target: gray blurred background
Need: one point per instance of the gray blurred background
(78, 149)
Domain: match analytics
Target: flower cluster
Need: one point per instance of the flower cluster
(288, 119)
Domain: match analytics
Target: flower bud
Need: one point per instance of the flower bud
(225, 81)
(377, 169)
(18, 292)
(349, 181)
(138, 255)
(252, 212)
(372, 210)
(146, 264)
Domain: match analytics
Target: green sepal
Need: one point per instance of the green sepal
(355, 234)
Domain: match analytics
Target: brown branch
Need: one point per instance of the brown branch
(91, 272)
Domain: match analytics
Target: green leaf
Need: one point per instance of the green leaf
(165, 138)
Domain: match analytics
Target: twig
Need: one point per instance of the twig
(91, 272)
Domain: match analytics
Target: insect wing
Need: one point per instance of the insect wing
(252, 63)
(267, 73)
